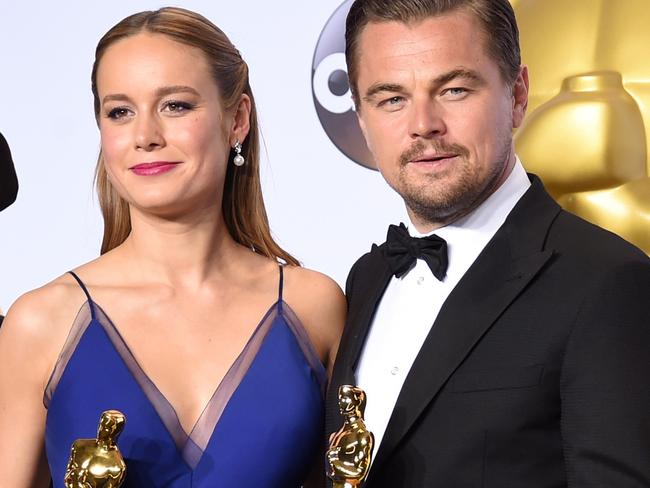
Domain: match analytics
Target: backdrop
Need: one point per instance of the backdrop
(323, 207)
(586, 133)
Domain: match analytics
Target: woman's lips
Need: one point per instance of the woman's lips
(154, 168)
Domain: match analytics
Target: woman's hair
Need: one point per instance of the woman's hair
(243, 206)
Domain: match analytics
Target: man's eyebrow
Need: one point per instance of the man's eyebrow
(160, 92)
(382, 87)
(460, 73)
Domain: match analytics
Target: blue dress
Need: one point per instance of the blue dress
(274, 390)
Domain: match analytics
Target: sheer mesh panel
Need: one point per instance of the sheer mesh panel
(191, 446)
(79, 326)
(208, 420)
(164, 409)
(305, 344)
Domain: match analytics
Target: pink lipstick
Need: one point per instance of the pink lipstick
(154, 168)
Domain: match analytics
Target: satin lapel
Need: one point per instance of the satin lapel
(370, 282)
(509, 262)
(363, 304)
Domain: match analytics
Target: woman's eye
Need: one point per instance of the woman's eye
(118, 113)
(177, 107)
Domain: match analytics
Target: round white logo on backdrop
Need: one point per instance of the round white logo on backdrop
(331, 90)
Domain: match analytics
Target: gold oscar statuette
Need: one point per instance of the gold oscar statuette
(351, 447)
(98, 463)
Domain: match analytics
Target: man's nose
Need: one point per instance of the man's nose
(148, 132)
(426, 119)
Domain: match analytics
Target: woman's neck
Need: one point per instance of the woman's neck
(185, 252)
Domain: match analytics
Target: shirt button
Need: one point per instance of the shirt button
(394, 371)
(420, 280)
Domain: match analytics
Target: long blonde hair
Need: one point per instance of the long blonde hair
(242, 206)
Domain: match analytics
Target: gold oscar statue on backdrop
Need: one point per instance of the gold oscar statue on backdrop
(97, 463)
(588, 125)
(351, 447)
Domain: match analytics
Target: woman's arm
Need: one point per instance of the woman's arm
(320, 304)
(24, 354)
(321, 307)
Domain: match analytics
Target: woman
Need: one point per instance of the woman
(189, 277)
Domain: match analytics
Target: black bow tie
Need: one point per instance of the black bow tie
(402, 250)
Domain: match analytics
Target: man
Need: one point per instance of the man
(513, 349)
(8, 182)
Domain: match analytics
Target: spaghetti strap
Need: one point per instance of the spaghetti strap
(85, 290)
(281, 283)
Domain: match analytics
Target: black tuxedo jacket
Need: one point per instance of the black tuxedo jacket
(536, 372)
(8, 180)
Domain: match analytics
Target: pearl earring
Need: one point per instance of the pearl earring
(238, 160)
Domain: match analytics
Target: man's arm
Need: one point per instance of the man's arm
(605, 384)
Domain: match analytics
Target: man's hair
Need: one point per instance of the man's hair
(496, 17)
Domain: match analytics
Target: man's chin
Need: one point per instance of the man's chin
(438, 204)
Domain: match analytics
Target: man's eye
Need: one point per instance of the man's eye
(456, 92)
(392, 102)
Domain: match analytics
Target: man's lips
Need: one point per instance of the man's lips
(154, 167)
(433, 158)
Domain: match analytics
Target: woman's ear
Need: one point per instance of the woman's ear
(241, 122)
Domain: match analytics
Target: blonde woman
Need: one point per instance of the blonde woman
(187, 322)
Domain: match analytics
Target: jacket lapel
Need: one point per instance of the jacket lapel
(363, 304)
(366, 286)
(508, 263)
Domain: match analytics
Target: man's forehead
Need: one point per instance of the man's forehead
(437, 44)
(450, 30)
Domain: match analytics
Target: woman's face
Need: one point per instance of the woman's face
(165, 136)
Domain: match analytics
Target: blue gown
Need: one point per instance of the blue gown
(274, 391)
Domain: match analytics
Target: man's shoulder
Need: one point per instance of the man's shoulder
(370, 259)
(571, 238)
(579, 239)
(366, 265)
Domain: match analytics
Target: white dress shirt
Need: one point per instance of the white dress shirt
(410, 304)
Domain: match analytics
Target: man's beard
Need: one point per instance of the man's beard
(431, 200)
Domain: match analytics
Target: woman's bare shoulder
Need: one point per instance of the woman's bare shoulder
(37, 312)
(312, 286)
(318, 302)
(36, 326)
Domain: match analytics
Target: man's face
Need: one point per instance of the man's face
(437, 113)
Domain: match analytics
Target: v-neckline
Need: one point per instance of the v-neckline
(191, 445)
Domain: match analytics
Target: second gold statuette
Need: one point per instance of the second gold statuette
(350, 451)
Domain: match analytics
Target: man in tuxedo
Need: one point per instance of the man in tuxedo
(8, 182)
(501, 341)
